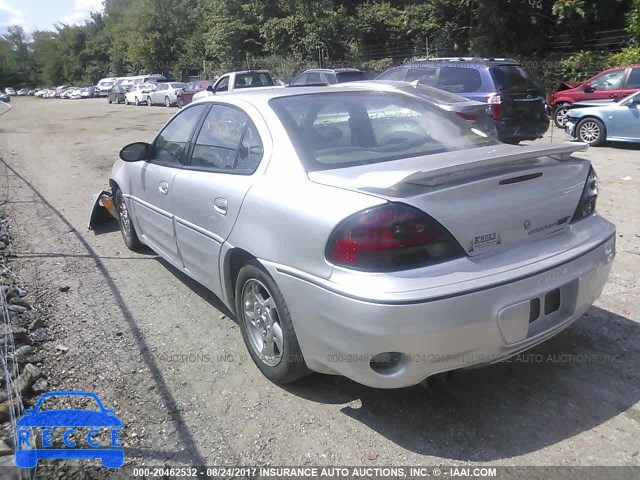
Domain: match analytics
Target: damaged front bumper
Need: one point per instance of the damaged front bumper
(103, 209)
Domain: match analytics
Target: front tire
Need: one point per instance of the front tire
(591, 131)
(266, 326)
(110, 101)
(149, 102)
(127, 229)
(137, 102)
(560, 115)
(180, 102)
(167, 102)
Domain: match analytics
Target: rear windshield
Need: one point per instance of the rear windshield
(335, 130)
(513, 78)
(350, 76)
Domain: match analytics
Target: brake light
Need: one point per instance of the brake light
(390, 237)
(587, 205)
(496, 106)
(466, 116)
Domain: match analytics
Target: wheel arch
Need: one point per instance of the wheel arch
(232, 262)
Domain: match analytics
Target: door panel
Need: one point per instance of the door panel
(626, 122)
(209, 193)
(153, 208)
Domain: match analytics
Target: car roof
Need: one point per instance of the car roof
(332, 70)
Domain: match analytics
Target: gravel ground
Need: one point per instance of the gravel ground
(158, 348)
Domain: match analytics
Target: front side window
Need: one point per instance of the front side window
(394, 74)
(336, 130)
(608, 80)
(170, 144)
(227, 141)
(223, 85)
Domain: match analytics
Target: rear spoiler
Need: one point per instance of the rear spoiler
(491, 158)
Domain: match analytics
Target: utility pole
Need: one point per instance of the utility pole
(426, 41)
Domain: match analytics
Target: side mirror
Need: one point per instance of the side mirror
(588, 88)
(135, 152)
(210, 88)
(29, 411)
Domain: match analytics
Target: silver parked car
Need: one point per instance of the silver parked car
(366, 233)
(165, 94)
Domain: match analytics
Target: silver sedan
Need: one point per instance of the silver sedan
(366, 233)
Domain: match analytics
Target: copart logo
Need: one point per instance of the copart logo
(66, 427)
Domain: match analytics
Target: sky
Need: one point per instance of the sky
(44, 14)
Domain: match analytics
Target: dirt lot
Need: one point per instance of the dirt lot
(155, 346)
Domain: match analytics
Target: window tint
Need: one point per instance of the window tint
(250, 80)
(425, 76)
(330, 78)
(459, 80)
(350, 76)
(229, 141)
(223, 86)
(300, 80)
(634, 79)
(608, 80)
(335, 130)
(313, 78)
(513, 78)
(395, 74)
(173, 139)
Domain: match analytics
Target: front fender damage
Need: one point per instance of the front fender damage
(103, 209)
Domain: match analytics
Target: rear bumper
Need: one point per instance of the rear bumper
(526, 131)
(340, 334)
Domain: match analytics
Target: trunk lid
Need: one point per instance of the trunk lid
(489, 198)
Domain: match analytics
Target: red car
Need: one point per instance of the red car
(616, 83)
(185, 97)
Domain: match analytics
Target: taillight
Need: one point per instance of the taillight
(466, 116)
(587, 204)
(390, 237)
(496, 106)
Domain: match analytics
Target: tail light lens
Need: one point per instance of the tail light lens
(496, 106)
(587, 204)
(390, 237)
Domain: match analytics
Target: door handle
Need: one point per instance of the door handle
(164, 188)
(220, 205)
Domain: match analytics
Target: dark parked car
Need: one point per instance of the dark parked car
(185, 97)
(615, 83)
(117, 93)
(329, 76)
(515, 96)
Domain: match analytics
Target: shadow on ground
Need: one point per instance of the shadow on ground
(512, 408)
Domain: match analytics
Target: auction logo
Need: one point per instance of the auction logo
(67, 422)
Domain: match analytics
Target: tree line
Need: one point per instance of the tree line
(180, 38)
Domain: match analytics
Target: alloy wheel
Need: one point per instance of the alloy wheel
(589, 131)
(260, 314)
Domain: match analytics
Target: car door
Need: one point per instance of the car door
(152, 186)
(157, 95)
(209, 191)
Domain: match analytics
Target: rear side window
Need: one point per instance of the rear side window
(459, 79)
(227, 141)
(514, 78)
(249, 80)
(634, 79)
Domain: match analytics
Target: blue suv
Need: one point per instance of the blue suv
(516, 98)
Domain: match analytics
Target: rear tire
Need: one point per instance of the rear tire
(149, 102)
(560, 115)
(110, 101)
(137, 102)
(591, 131)
(127, 229)
(266, 326)
(167, 102)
